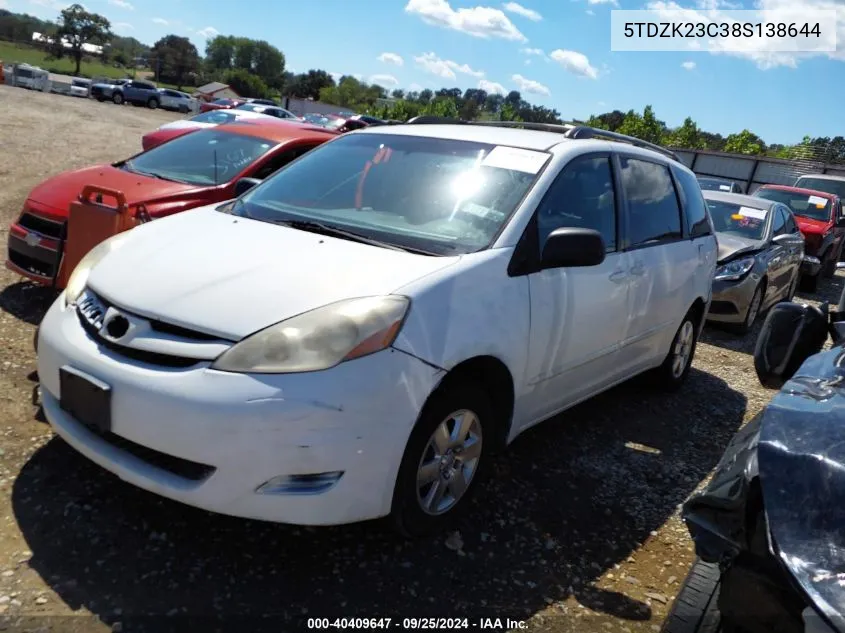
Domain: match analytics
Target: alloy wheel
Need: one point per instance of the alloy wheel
(682, 349)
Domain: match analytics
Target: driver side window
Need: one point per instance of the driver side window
(779, 226)
(582, 196)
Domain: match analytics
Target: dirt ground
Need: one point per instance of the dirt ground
(577, 530)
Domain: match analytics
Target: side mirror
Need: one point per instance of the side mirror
(783, 237)
(571, 247)
(245, 184)
(790, 334)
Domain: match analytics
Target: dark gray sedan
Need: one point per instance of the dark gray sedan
(760, 253)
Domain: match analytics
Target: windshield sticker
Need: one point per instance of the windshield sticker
(515, 159)
(818, 201)
(748, 212)
(724, 188)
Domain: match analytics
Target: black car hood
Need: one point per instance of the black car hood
(793, 453)
(801, 457)
(731, 246)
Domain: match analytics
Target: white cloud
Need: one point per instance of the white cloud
(484, 22)
(208, 32)
(529, 85)
(384, 80)
(531, 51)
(445, 68)
(615, 3)
(56, 5)
(688, 65)
(415, 88)
(391, 58)
(123, 26)
(123, 4)
(491, 87)
(336, 76)
(161, 21)
(590, 12)
(575, 62)
(762, 51)
(518, 9)
(601, 104)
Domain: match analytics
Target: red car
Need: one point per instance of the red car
(220, 104)
(820, 218)
(191, 171)
(212, 119)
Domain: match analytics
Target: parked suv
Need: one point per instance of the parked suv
(393, 307)
(105, 90)
(820, 218)
(141, 93)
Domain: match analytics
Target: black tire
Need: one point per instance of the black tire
(746, 326)
(184, 109)
(665, 377)
(101, 99)
(152, 104)
(829, 265)
(408, 516)
(793, 286)
(810, 283)
(696, 609)
(117, 98)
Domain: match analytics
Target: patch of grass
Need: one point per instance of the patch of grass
(29, 55)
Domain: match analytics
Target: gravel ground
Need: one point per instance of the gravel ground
(578, 528)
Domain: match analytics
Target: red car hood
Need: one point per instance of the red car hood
(58, 192)
(148, 141)
(808, 225)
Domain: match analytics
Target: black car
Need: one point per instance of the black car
(708, 183)
(759, 259)
(769, 529)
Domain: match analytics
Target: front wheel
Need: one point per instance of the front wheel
(117, 98)
(152, 104)
(752, 313)
(443, 460)
(675, 368)
(184, 109)
(696, 609)
(810, 283)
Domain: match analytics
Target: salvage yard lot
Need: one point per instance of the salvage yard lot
(577, 529)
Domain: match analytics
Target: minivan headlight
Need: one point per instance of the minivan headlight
(319, 339)
(734, 270)
(79, 277)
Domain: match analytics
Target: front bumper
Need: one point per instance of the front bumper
(248, 429)
(35, 247)
(731, 298)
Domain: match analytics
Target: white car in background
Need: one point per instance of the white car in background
(80, 87)
(356, 335)
(178, 101)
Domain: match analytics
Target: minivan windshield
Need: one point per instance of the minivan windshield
(207, 157)
(736, 219)
(808, 206)
(836, 187)
(440, 196)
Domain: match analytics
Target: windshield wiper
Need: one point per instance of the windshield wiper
(333, 231)
(129, 167)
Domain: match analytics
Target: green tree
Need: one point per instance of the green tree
(442, 107)
(352, 94)
(745, 142)
(246, 84)
(469, 110)
(227, 52)
(175, 59)
(643, 126)
(688, 136)
(78, 27)
(308, 85)
(426, 95)
(398, 94)
(508, 112)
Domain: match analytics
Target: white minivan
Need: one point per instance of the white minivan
(355, 336)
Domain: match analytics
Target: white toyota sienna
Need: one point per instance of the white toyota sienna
(353, 337)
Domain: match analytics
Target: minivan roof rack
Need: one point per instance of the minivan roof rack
(569, 130)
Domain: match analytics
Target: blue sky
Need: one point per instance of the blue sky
(556, 52)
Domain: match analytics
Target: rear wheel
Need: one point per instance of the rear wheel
(696, 610)
(184, 109)
(675, 368)
(829, 265)
(444, 459)
(117, 98)
(152, 104)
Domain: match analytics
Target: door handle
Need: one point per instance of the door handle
(638, 269)
(618, 276)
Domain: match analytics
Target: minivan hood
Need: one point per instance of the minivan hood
(732, 245)
(230, 276)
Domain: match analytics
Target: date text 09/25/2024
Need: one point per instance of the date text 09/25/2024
(429, 624)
